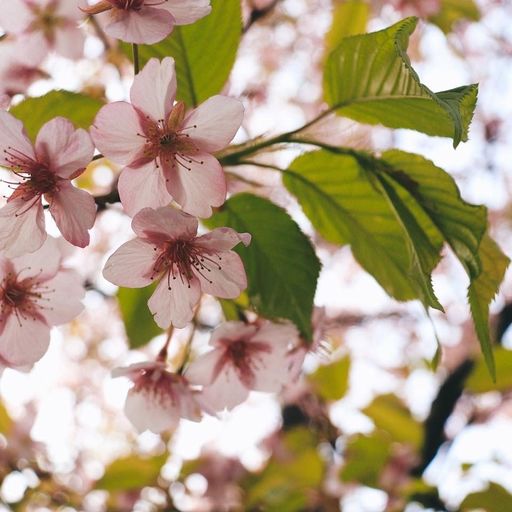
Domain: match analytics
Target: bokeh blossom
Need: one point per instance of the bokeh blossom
(20, 66)
(45, 169)
(158, 399)
(146, 22)
(167, 151)
(36, 293)
(245, 357)
(167, 250)
(48, 24)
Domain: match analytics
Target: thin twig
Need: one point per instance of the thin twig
(135, 49)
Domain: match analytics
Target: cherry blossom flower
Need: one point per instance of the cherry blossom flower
(146, 21)
(49, 24)
(60, 154)
(36, 293)
(20, 66)
(167, 151)
(167, 250)
(245, 357)
(158, 399)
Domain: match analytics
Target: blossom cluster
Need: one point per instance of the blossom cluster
(170, 177)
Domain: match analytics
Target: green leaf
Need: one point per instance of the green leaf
(131, 473)
(204, 51)
(138, 320)
(331, 381)
(340, 197)
(390, 414)
(462, 224)
(281, 264)
(78, 108)
(453, 11)
(349, 18)
(365, 457)
(482, 291)
(479, 382)
(494, 499)
(369, 78)
(285, 483)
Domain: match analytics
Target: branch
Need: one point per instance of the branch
(258, 14)
(442, 408)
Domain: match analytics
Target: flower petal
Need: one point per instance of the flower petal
(176, 305)
(214, 123)
(199, 186)
(226, 391)
(15, 16)
(115, 133)
(23, 341)
(227, 279)
(154, 88)
(274, 367)
(147, 26)
(43, 263)
(149, 408)
(69, 42)
(64, 149)
(22, 227)
(201, 370)
(164, 224)
(74, 211)
(231, 331)
(222, 239)
(64, 298)
(187, 11)
(142, 187)
(131, 265)
(13, 139)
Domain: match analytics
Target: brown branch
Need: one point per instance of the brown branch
(258, 14)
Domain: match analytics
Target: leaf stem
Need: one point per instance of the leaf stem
(251, 147)
(162, 355)
(136, 65)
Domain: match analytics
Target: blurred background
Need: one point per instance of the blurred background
(369, 427)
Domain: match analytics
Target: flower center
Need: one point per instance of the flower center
(169, 141)
(42, 181)
(22, 298)
(134, 5)
(182, 259)
(244, 356)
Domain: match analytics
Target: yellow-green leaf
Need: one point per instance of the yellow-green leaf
(369, 78)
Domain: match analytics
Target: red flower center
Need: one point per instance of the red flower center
(178, 258)
(168, 140)
(23, 298)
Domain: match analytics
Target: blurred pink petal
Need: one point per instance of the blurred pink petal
(158, 399)
(244, 357)
(52, 24)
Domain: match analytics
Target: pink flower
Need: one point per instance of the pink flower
(19, 65)
(36, 293)
(167, 151)
(158, 399)
(60, 154)
(49, 24)
(147, 21)
(245, 357)
(167, 250)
